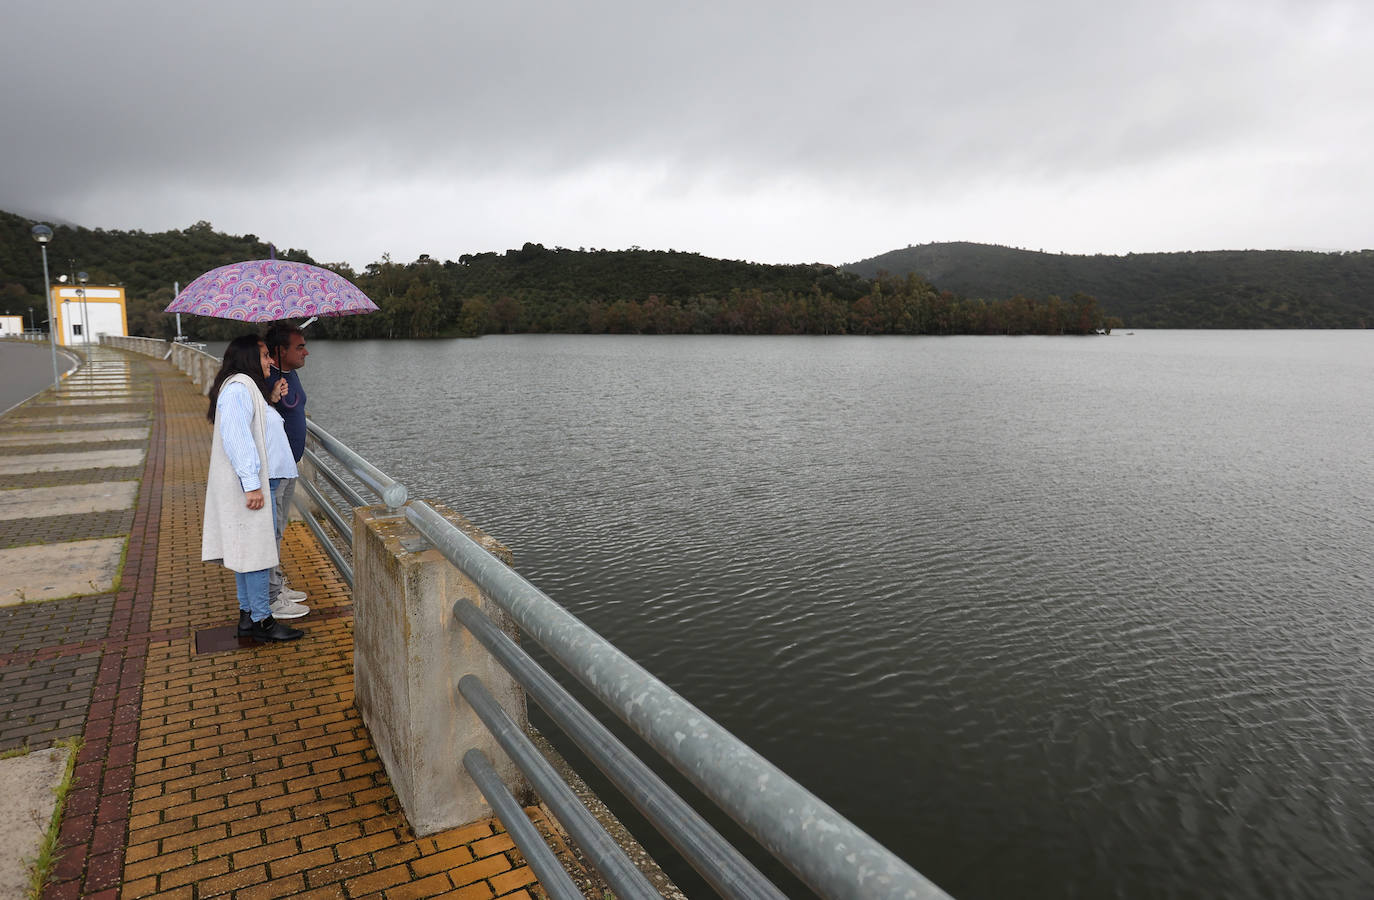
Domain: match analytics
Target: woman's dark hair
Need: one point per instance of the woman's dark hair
(241, 357)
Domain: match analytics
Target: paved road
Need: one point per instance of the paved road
(25, 369)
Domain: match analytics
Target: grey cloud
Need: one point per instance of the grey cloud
(876, 99)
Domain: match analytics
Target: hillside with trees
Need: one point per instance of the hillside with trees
(145, 264)
(536, 289)
(1212, 289)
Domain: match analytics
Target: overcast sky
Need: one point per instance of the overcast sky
(771, 131)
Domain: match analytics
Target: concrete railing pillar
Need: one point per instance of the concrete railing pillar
(408, 655)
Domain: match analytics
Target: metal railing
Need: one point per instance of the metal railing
(821, 847)
(340, 495)
(830, 854)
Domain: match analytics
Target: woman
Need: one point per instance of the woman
(249, 447)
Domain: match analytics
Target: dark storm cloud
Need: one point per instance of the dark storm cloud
(862, 103)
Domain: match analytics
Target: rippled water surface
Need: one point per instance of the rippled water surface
(1048, 617)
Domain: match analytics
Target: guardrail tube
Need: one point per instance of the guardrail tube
(714, 858)
(823, 848)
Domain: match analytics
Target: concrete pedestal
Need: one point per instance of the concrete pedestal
(408, 656)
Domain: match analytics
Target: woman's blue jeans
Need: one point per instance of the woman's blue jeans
(252, 586)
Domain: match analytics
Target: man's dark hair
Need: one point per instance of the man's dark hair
(279, 336)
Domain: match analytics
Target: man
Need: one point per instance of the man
(286, 345)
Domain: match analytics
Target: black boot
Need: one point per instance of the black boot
(245, 623)
(269, 629)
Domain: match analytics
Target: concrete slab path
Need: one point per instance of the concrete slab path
(26, 809)
(66, 569)
(38, 503)
(59, 462)
(25, 436)
(242, 772)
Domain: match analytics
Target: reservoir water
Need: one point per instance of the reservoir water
(1049, 617)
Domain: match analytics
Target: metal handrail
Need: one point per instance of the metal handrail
(343, 487)
(823, 848)
(335, 555)
(333, 515)
(392, 492)
(553, 878)
(713, 857)
(386, 488)
(605, 854)
(601, 849)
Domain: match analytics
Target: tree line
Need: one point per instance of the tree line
(539, 290)
(534, 289)
(1199, 289)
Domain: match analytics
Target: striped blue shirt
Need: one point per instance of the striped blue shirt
(233, 417)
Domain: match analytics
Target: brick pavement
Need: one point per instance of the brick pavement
(244, 773)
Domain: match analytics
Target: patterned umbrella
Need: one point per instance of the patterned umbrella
(269, 290)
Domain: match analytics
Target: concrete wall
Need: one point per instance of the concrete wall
(147, 346)
(102, 312)
(195, 362)
(408, 655)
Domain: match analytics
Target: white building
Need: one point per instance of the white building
(11, 325)
(82, 320)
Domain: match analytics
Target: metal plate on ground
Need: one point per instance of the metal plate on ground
(218, 640)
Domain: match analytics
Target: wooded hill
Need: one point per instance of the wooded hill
(534, 289)
(145, 264)
(1212, 289)
(918, 290)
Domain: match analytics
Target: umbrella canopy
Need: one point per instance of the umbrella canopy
(269, 290)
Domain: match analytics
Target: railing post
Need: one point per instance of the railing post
(408, 655)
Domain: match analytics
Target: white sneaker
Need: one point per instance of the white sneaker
(286, 609)
(292, 594)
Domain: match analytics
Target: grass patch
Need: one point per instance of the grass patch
(124, 554)
(48, 849)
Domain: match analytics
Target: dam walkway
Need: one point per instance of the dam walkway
(206, 767)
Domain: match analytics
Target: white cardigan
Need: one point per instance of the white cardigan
(242, 538)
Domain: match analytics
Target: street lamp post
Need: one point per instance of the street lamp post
(85, 319)
(42, 234)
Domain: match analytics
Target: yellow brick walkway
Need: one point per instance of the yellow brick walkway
(253, 775)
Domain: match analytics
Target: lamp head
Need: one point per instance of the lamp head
(41, 233)
(82, 277)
